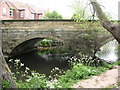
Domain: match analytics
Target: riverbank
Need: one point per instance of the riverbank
(89, 76)
(104, 80)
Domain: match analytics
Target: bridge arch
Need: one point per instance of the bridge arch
(31, 36)
(105, 41)
(31, 39)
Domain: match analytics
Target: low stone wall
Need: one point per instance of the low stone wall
(44, 24)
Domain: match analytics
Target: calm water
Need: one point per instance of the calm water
(45, 63)
(109, 52)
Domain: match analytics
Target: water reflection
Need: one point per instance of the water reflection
(109, 52)
(44, 63)
(41, 64)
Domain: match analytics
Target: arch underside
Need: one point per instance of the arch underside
(29, 42)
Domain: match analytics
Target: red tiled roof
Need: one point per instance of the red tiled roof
(19, 5)
(34, 9)
(11, 6)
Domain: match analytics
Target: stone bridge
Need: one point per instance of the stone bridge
(21, 35)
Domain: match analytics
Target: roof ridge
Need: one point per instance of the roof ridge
(8, 2)
(13, 5)
(30, 9)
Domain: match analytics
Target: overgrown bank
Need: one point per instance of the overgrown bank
(78, 71)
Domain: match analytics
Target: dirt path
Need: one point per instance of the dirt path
(104, 80)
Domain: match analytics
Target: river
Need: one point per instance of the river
(109, 52)
(45, 63)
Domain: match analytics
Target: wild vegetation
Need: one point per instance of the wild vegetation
(58, 78)
(53, 15)
(80, 11)
(81, 68)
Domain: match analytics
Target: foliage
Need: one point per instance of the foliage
(78, 71)
(49, 42)
(79, 10)
(26, 78)
(20, 72)
(93, 26)
(35, 81)
(85, 60)
(53, 15)
(52, 44)
(5, 84)
(46, 42)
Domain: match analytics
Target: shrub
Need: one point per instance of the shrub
(5, 84)
(78, 72)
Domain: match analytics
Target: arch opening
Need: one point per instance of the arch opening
(34, 44)
(39, 60)
(109, 51)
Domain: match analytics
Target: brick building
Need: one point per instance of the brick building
(10, 9)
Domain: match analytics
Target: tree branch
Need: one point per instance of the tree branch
(114, 29)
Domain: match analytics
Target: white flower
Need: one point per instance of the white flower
(21, 64)
(33, 73)
(23, 75)
(26, 71)
(27, 68)
(10, 60)
(55, 80)
(56, 68)
(50, 84)
(59, 86)
(17, 61)
(28, 79)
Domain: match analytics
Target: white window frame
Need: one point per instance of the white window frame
(4, 11)
(22, 14)
(32, 16)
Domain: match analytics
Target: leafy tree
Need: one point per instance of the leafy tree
(53, 15)
(79, 10)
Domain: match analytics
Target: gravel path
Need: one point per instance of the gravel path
(104, 80)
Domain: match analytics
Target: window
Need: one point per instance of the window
(4, 11)
(11, 13)
(22, 14)
(32, 16)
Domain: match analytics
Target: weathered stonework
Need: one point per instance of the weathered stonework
(16, 32)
